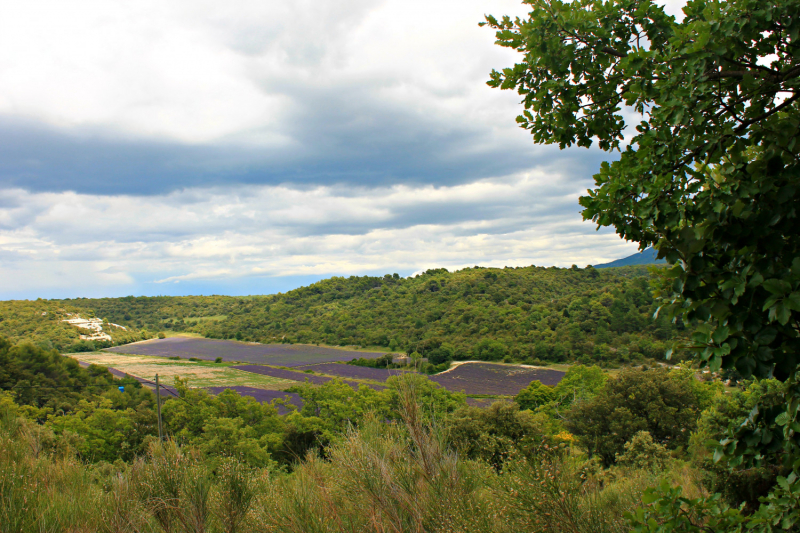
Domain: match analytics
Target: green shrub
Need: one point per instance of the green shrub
(534, 395)
(643, 453)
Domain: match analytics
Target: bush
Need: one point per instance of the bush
(491, 434)
(534, 395)
(579, 383)
(642, 452)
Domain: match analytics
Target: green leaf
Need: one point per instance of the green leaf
(719, 454)
(649, 497)
(777, 286)
(782, 313)
(793, 301)
(720, 334)
(765, 336)
(715, 363)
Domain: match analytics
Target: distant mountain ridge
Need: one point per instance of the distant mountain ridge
(646, 257)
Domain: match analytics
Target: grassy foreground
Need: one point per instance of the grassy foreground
(387, 477)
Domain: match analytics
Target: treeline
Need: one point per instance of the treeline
(531, 314)
(584, 451)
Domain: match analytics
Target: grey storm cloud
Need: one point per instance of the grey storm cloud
(361, 94)
(386, 149)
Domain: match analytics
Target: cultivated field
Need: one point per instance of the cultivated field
(281, 373)
(472, 378)
(353, 372)
(199, 374)
(269, 354)
(264, 396)
(494, 379)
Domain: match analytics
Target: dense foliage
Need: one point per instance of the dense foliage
(664, 403)
(41, 322)
(48, 381)
(159, 313)
(528, 314)
(709, 178)
(412, 457)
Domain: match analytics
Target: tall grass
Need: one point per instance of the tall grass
(38, 491)
(382, 477)
(387, 477)
(550, 494)
(236, 492)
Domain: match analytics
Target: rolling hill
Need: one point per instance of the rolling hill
(526, 314)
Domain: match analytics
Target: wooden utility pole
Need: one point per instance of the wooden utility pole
(158, 405)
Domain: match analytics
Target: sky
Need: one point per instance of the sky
(251, 147)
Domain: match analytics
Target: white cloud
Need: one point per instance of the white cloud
(242, 232)
(207, 71)
(242, 95)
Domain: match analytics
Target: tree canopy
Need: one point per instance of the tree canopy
(664, 403)
(705, 115)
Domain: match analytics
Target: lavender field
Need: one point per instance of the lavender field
(298, 376)
(494, 379)
(353, 372)
(264, 396)
(271, 354)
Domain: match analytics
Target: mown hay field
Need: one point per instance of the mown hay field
(199, 374)
(353, 372)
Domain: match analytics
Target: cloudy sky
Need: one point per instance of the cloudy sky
(249, 147)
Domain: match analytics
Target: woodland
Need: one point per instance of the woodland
(524, 314)
(701, 114)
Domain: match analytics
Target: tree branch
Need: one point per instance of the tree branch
(772, 111)
(611, 51)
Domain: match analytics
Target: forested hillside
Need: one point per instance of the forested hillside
(41, 322)
(526, 314)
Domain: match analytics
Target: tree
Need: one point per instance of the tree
(665, 403)
(534, 395)
(579, 383)
(490, 350)
(643, 452)
(738, 485)
(492, 433)
(710, 175)
(442, 354)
